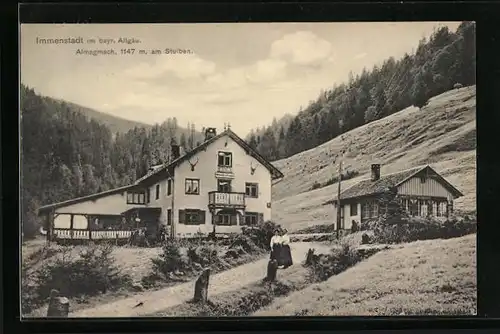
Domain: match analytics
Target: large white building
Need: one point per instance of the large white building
(222, 184)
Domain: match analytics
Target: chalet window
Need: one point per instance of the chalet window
(354, 209)
(413, 203)
(252, 190)
(422, 179)
(191, 217)
(226, 219)
(169, 187)
(225, 159)
(135, 198)
(192, 186)
(157, 191)
(423, 208)
(369, 209)
(224, 186)
(252, 218)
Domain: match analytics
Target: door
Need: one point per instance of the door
(224, 186)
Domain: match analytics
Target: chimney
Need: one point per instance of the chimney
(375, 172)
(176, 151)
(210, 133)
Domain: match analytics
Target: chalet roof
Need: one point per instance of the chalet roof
(368, 187)
(275, 173)
(45, 208)
(155, 170)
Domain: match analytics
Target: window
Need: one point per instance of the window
(369, 209)
(413, 203)
(135, 198)
(422, 179)
(252, 218)
(192, 217)
(225, 159)
(169, 187)
(225, 219)
(252, 190)
(157, 191)
(354, 209)
(224, 186)
(192, 186)
(148, 196)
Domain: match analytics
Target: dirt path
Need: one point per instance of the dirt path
(155, 301)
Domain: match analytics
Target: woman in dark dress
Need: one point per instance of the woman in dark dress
(276, 246)
(286, 253)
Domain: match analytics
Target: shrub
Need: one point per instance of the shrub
(93, 271)
(316, 185)
(261, 234)
(326, 265)
(354, 227)
(170, 260)
(418, 228)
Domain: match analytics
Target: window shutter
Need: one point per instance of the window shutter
(182, 216)
(202, 216)
(233, 220)
(261, 218)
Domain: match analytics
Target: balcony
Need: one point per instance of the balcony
(217, 199)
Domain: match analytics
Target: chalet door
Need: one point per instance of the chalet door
(224, 186)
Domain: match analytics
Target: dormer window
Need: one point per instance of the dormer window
(225, 159)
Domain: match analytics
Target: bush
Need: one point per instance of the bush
(92, 272)
(261, 234)
(418, 228)
(354, 227)
(326, 265)
(170, 260)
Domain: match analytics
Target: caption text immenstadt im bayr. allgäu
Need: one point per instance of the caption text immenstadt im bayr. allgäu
(110, 50)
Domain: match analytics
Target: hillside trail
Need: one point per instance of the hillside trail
(229, 280)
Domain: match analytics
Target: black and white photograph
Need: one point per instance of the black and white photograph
(247, 169)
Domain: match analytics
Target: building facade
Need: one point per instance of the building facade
(219, 186)
(421, 192)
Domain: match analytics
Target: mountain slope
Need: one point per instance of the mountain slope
(441, 134)
(431, 277)
(115, 124)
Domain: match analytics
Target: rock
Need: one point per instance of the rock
(137, 287)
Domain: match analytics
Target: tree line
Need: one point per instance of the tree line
(438, 63)
(64, 154)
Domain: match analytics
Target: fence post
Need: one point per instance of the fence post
(58, 306)
(309, 257)
(272, 268)
(201, 287)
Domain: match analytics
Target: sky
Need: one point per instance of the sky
(244, 74)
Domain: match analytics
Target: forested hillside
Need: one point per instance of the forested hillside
(115, 124)
(65, 154)
(445, 59)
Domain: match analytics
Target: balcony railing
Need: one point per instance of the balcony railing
(222, 199)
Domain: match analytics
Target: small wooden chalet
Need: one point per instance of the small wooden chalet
(421, 190)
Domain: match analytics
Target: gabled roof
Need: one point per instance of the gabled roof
(157, 169)
(84, 198)
(275, 173)
(368, 187)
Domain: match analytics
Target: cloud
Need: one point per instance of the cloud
(360, 55)
(182, 66)
(302, 48)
